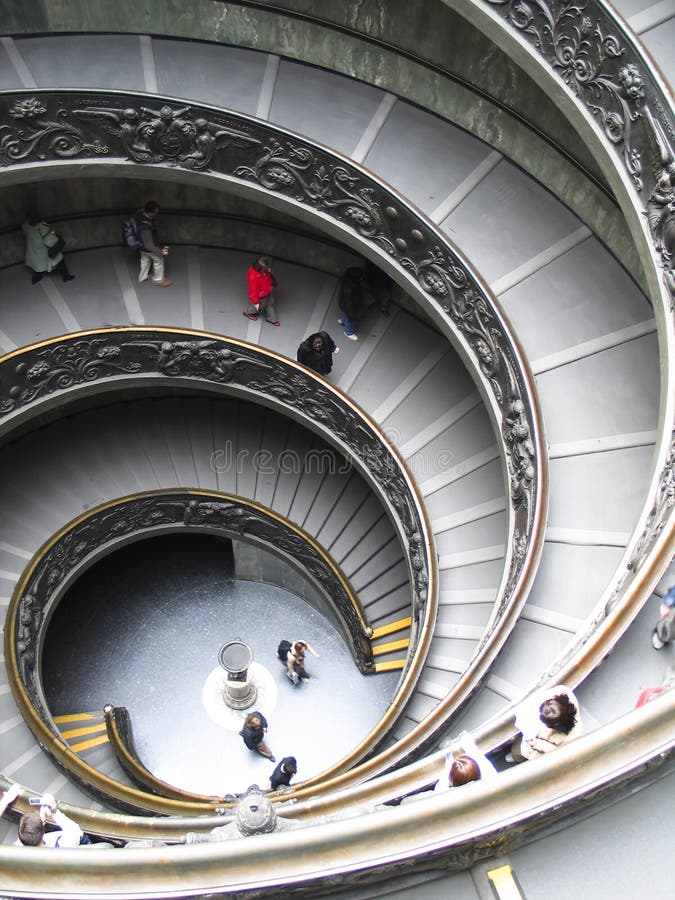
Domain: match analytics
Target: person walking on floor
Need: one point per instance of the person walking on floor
(285, 770)
(351, 301)
(253, 733)
(261, 284)
(152, 251)
(295, 661)
(316, 352)
(44, 249)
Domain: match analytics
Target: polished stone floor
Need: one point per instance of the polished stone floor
(143, 628)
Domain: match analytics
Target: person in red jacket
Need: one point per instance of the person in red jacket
(261, 283)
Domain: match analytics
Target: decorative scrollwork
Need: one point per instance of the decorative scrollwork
(34, 135)
(583, 52)
(661, 203)
(296, 170)
(140, 515)
(181, 135)
(58, 367)
(44, 371)
(166, 135)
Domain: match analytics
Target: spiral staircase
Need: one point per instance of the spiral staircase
(540, 204)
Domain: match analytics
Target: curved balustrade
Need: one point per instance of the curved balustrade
(120, 734)
(97, 533)
(95, 127)
(593, 764)
(381, 842)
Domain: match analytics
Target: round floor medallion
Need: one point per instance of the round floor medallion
(232, 719)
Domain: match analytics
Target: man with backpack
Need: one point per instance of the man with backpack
(142, 233)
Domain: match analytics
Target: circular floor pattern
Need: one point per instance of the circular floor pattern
(143, 629)
(232, 719)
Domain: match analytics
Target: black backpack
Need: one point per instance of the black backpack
(130, 234)
(282, 650)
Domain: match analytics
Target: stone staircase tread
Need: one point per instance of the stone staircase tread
(598, 492)
(296, 460)
(104, 60)
(385, 566)
(524, 219)
(579, 296)
(484, 484)
(424, 156)
(380, 541)
(300, 104)
(477, 575)
(341, 523)
(485, 532)
(445, 386)
(405, 346)
(624, 398)
(210, 73)
(273, 443)
(356, 527)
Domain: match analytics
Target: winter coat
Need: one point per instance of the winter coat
(260, 284)
(253, 736)
(148, 233)
(279, 777)
(38, 239)
(319, 361)
(351, 299)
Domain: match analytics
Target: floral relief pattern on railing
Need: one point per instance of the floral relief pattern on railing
(64, 364)
(99, 531)
(588, 49)
(191, 137)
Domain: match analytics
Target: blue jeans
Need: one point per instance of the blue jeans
(347, 324)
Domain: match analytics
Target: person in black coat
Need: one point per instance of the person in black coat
(316, 352)
(352, 301)
(283, 773)
(253, 733)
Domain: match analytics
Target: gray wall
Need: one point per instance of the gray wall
(469, 79)
(252, 563)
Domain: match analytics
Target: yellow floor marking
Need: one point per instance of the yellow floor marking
(383, 630)
(88, 729)
(86, 745)
(389, 666)
(504, 883)
(74, 717)
(390, 647)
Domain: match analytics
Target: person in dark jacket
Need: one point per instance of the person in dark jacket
(352, 301)
(316, 352)
(283, 773)
(377, 286)
(152, 250)
(253, 733)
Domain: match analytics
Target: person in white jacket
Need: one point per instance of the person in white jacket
(32, 827)
(546, 720)
(469, 765)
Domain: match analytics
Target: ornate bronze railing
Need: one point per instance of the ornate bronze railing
(446, 832)
(106, 129)
(120, 735)
(592, 761)
(100, 531)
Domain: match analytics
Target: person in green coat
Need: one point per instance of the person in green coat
(39, 238)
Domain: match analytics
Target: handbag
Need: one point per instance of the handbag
(56, 247)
